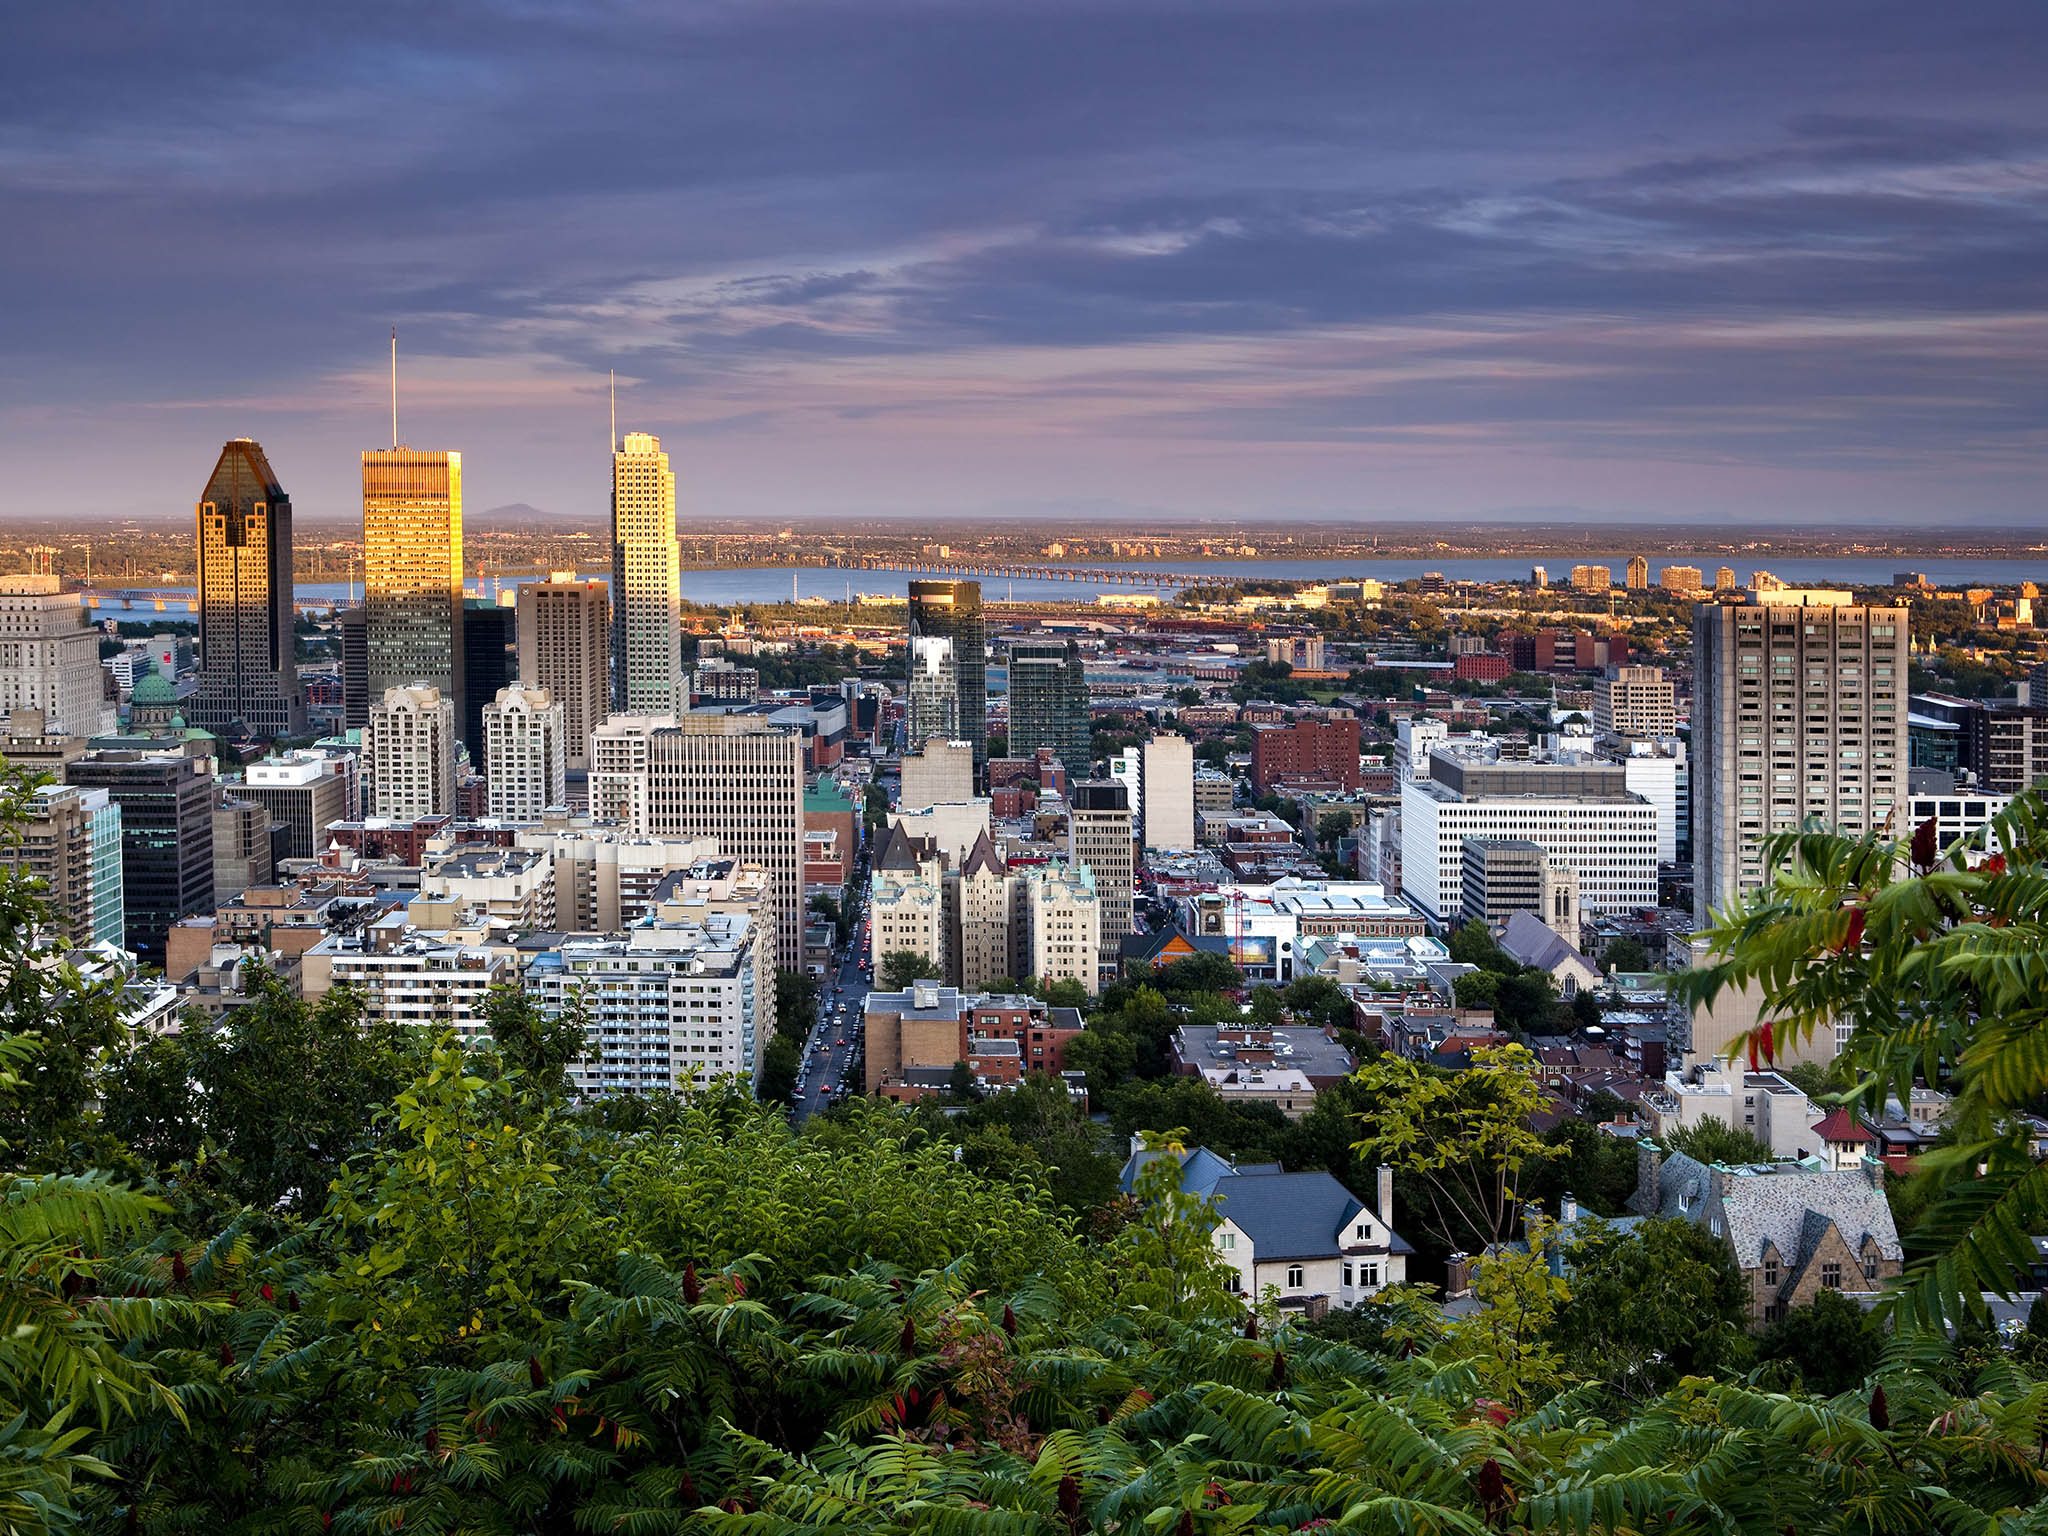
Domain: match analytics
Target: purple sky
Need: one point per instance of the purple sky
(1692, 262)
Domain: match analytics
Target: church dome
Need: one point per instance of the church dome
(153, 689)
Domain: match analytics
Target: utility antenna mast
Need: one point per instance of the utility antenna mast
(394, 386)
(615, 412)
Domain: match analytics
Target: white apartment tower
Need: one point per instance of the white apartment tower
(1059, 925)
(1099, 840)
(409, 754)
(647, 666)
(1799, 712)
(933, 706)
(49, 658)
(525, 753)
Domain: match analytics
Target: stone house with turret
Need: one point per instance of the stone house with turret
(1795, 1229)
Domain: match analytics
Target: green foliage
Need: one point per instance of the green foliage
(539, 1046)
(1319, 1000)
(1036, 1134)
(779, 1063)
(1662, 1302)
(1471, 944)
(1625, 954)
(1716, 1141)
(1203, 1117)
(901, 967)
(1597, 1169)
(796, 1003)
(1829, 1347)
(1266, 1005)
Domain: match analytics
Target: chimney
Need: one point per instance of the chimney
(1568, 1208)
(1386, 1186)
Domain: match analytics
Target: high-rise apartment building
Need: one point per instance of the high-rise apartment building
(932, 703)
(409, 754)
(1167, 792)
(1307, 752)
(490, 661)
(647, 592)
(565, 646)
(1049, 703)
(1059, 926)
(353, 625)
(1591, 578)
(412, 571)
(525, 750)
(737, 779)
(71, 842)
(248, 679)
(1724, 580)
(1798, 713)
(1635, 701)
(50, 658)
(952, 610)
(1638, 575)
(1099, 840)
(166, 801)
(940, 772)
(1679, 578)
(305, 792)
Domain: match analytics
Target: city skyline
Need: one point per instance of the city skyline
(1284, 260)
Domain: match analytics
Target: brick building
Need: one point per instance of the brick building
(1320, 751)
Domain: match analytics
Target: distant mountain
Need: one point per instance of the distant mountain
(518, 513)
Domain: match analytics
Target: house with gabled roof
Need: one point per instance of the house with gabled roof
(1304, 1236)
(1795, 1229)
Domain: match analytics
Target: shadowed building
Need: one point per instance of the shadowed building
(247, 675)
(951, 610)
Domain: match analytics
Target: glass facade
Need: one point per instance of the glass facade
(412, 569)
(1049, 704)
(952, 610)
(247, 675)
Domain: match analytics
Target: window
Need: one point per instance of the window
(1226, 1241)
(1347, 1274)
(1870, 1266)
(1296, 1279)
(1368, 1274)
(1771, 1271)
(1236, 1283)
(1831, 1277)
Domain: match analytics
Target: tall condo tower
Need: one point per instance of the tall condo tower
(952, 610)
(412, 570)
(647, 667)
(246, 672)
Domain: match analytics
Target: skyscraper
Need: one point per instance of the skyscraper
(952, 610)
(1798, 712)
(1049, 703)
(50, 658)
(1099, 840)
(931, 710)
(353, 625)
(565, 646)
(412, 570)
(247, 675)
(522, 750)
(166, 801)
(490, 661)
(647, 655)
(409, 755)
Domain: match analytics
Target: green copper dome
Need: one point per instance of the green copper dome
(153, 689)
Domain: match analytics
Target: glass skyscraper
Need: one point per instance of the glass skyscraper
(647, 654)
(248, 679)
(412, 570)
(952, 610)
(1049, 704)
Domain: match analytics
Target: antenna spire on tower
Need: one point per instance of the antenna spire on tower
(615, 411)
(394, 386)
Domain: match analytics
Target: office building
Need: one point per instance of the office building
(1049, 703)
(1309, 752)
(1634, 701)
(1099, 839)
(490, 661)
(2003, 746)
(1798, 713)
(1167, 792)
(409, 754)
(241, 847)
(940, 772)
(412, 573)
(50, 658)
(305, 792)
(932, 702)
(166, 801)
(1059, 920)
(526, 753)
(353, 627)
(671, 1005)
(951, 610)
(1684, 579)
(1638, 577)
(737, 779)
(71, 842)
(647, 592)
(1579, 811)
(248, 679)
(565, 646)
(1503, 876)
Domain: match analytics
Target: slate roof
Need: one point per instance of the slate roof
(900, 853)
(1286, 1215)
(1785, 1205)
(982, 856)
(1532, 942)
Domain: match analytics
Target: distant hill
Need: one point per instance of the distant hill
(516, 513)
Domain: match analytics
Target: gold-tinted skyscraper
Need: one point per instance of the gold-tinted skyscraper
(647, 666)
(247, 677)
(412, 569)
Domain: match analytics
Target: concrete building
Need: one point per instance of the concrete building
(1099, 840)
(166, 801)
(526, 752)
(71, 842)
(412, 572)
(671, 1005)
(409, 754)
(719, 681)
(980, 899)
(604, 879)
(411, 978)
(1059, 926)
(1798, 712)
(241, 847)
(1680, 579)
(1635, 702)
(646, 592)
(951, 610)
(50, 659)
(1508, 875)
(735, 779)
(248, 679)
(917, 1038)
(565, 646)
(1638, 579)
(1214, 790)
(1658, 769)
(306, 792)
(1167, 792)
(936, 772)
(932, 701)
(1048, 695)
(1591, 578)
(1579, 811)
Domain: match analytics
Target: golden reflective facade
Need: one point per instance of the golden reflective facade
(412, 569)
(647, 664)
(248, 679)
